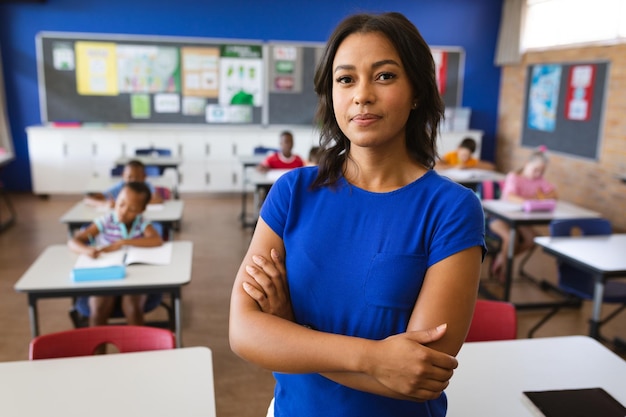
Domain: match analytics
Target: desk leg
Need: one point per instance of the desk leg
(32, 314)
(178, 322)
(510, 256)
(244, 197)
(598, 294)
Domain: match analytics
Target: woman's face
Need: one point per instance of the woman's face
(534, 169)
(372, 94)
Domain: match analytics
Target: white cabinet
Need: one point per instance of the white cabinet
(65, 160)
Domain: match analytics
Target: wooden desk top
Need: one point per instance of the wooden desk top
(177, 382)
(491, 376)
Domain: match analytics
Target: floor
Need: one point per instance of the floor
(212, 223)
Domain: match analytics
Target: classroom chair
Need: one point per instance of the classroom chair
(152, 151)
(493, 320)
(577, 284)
(262, 150)
(84, 342)
(151, 171)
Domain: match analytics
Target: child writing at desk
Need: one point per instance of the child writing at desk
(462, 157)
(134, 171)
(124, 226)
(527, 183)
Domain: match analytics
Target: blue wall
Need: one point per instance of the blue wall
(472, 25)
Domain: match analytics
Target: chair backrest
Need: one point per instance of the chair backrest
(84, 341)
(262, 150)
(571, 279)
(489, 190)
(153, 152)
(493, 320)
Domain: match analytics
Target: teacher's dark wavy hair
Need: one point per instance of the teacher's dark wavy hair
(423, 122)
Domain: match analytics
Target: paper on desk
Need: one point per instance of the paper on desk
(103, 260)
(159, 255)
(155, 207)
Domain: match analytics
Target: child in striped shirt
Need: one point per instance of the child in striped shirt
(124, 226)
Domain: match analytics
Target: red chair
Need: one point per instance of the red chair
(85, 341)
(493, 320)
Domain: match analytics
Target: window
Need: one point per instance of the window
(550, 23)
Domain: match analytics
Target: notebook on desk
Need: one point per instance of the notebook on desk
(112, 265)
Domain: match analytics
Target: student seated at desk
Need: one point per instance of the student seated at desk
(524, 184)
(462, 158)
(134, 171)
(125, 225)
(284, 159)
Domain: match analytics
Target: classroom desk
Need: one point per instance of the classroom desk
(176, 382)
(514, 216)
(471, 177)
(262, 182)
(162, 162)
(168, 213)
(49, 277)
(602, 256)
(101, 184)
(247, 163)
(491, 376)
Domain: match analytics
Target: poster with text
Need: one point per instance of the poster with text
(96, 72)
(579, 92)
(200, 71)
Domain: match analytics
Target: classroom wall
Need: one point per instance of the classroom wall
(471, 25)
(590, 183)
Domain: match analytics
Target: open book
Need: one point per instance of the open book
(112, 265)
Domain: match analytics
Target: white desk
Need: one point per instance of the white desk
(49, 277)
(262, 182)
(472, 176)
(100, 184)
(491, 376)
(177, 382)
(514, 216)
(248, 162)
(602, 256)
(168, 213)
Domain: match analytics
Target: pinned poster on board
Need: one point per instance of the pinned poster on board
(441, 67)
(96, 69)
(580, 92)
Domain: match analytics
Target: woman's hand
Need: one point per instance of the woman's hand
(268, 286)
(405, 365)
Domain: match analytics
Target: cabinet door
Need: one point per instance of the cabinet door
(106, 148)
(46, 153)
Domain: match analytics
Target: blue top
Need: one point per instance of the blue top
(356, 261)
(115, 190)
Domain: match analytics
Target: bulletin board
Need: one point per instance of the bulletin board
(564, 107)
(140, 79)
(128, 79)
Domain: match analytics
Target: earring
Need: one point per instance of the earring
(414, 105)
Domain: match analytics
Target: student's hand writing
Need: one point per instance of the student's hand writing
(405, 365)
(113, 246)
(269, 286)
